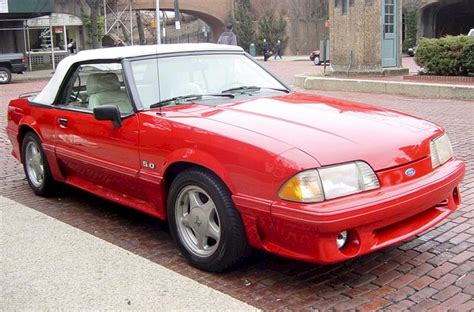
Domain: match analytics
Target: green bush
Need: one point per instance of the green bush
(447, 56)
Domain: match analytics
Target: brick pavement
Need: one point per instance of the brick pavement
(430, 271)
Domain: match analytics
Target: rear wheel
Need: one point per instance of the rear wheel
(36, 165)
(204, 221)
(5, 75)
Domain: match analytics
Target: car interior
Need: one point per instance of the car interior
(96, 85)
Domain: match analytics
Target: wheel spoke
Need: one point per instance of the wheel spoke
(34, 150)
(35, 170)
(194, 200)
(37, 158)
(33, 173)
(209, 209)
(201, 241)
(186, 220)
(37, 167)
(213, 231)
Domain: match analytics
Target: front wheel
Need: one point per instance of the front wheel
(317, 60)
(204, 221)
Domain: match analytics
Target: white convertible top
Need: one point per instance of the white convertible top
(48, 94)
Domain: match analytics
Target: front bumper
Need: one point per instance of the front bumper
(373, 219)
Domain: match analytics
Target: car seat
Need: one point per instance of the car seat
(104, 88)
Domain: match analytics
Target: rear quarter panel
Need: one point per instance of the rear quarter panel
(23, 116)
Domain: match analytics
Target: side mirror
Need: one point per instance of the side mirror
(108, 112)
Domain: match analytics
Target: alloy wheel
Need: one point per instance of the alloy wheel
(34, 164)
(197, 221)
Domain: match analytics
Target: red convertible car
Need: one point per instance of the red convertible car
(202, 136)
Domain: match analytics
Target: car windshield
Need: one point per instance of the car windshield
(158, 80)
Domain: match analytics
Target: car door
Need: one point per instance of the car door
(95, 154)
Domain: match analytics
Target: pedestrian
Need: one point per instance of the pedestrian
(278, 49)
(228, 36)
(71, 46)
(266, 50)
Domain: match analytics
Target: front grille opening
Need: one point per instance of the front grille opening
(408, 226)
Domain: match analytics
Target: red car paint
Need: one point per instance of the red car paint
(254, 146)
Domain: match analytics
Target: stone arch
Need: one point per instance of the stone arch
(212, 12)
(445, 17)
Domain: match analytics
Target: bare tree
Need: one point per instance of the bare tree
(304, 15)
(265, 7)
(412, 4)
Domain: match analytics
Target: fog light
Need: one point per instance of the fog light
(341, 239)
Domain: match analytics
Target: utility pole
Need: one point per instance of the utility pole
(53, 60)
(158, 29)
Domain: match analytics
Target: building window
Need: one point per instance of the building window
(389, 18)
(345, 7)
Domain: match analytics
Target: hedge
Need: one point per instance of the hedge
(451, 55)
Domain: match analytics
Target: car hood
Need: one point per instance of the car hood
(332, 131)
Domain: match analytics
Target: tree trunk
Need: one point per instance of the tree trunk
(141, 32)
(95, 40)
(94, 6)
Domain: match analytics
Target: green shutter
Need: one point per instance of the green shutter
(30, 6)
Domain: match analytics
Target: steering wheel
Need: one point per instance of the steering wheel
(75, 96)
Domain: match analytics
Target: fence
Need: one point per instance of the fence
(194, 37)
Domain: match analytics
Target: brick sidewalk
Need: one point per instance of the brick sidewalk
(431, 271)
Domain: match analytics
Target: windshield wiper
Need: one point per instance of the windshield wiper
(187, 98)
(253, 88)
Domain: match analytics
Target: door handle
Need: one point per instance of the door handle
(62, 122)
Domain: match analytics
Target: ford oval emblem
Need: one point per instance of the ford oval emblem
(410, 172)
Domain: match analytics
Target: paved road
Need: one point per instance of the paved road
(431, 271)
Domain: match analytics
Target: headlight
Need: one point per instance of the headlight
(440, 150)
(329, 182)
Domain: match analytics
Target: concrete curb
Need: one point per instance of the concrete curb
(426, 90)
(287, 58)
(49, 265)
(44, 74)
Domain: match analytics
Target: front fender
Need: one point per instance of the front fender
(201, 158)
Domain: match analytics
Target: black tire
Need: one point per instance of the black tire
(5, 75)
(232, 247)
(47, 185)
(317, 60)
